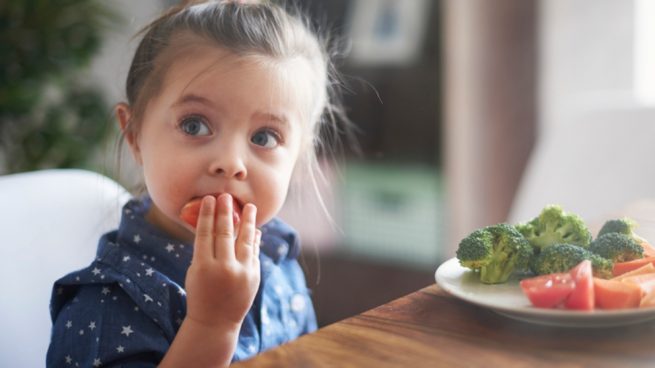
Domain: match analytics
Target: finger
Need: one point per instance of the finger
(258, 238)
(246, 240)
(258, 243)
(224, 228)
(204, 241)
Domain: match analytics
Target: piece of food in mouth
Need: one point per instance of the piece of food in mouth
(191, 211)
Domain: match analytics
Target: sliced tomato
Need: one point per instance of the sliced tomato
(191, 211)
(614, 294)
(582, 297)
(548, 291)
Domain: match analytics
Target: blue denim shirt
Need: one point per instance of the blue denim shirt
(126, 307)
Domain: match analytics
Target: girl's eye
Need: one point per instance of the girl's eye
(194, 126)
(266, 138)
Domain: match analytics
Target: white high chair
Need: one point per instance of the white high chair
(50, 223)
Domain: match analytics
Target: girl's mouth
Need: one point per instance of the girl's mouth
(191, 211)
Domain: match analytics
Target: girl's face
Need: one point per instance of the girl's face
(220, 124)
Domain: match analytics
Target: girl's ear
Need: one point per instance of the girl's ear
(124, 116)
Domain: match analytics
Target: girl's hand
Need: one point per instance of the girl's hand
(224, 275)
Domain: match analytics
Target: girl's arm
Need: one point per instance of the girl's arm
(221, 285)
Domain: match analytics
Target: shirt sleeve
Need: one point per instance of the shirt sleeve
(101, 326)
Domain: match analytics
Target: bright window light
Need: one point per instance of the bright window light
(644, 72)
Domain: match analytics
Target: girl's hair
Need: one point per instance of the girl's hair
(245, 29)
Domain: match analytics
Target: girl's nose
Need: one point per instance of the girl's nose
(229, 165)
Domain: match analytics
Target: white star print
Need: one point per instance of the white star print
(96, 362)
(127, 330)
(69, 324)
(137, 238)
(126, 258)
(105, 291)
(69, 360)
(149, 271)
(92, 325)
(95, 271)
(282, 250)
(148, 298)
(298, 303)
(120, 349)
(252, 348)
(170, 247)
(264, 316)
(81, 332)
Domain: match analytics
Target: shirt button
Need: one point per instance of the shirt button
(298, 303)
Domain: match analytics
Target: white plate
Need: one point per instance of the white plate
(508, 299)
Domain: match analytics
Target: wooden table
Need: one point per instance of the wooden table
(430, 328)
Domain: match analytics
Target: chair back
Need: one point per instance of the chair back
(51, 221)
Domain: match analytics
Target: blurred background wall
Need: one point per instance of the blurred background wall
(470, 113)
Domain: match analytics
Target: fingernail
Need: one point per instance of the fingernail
(227, 199)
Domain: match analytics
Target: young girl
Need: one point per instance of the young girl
(224, 104)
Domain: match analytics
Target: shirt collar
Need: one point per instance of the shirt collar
(153, 246)
(279, 241)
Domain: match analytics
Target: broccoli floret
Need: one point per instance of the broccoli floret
(616, 247)
(554, 226)
(495, 252)
(625, 226)
(563, 257)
